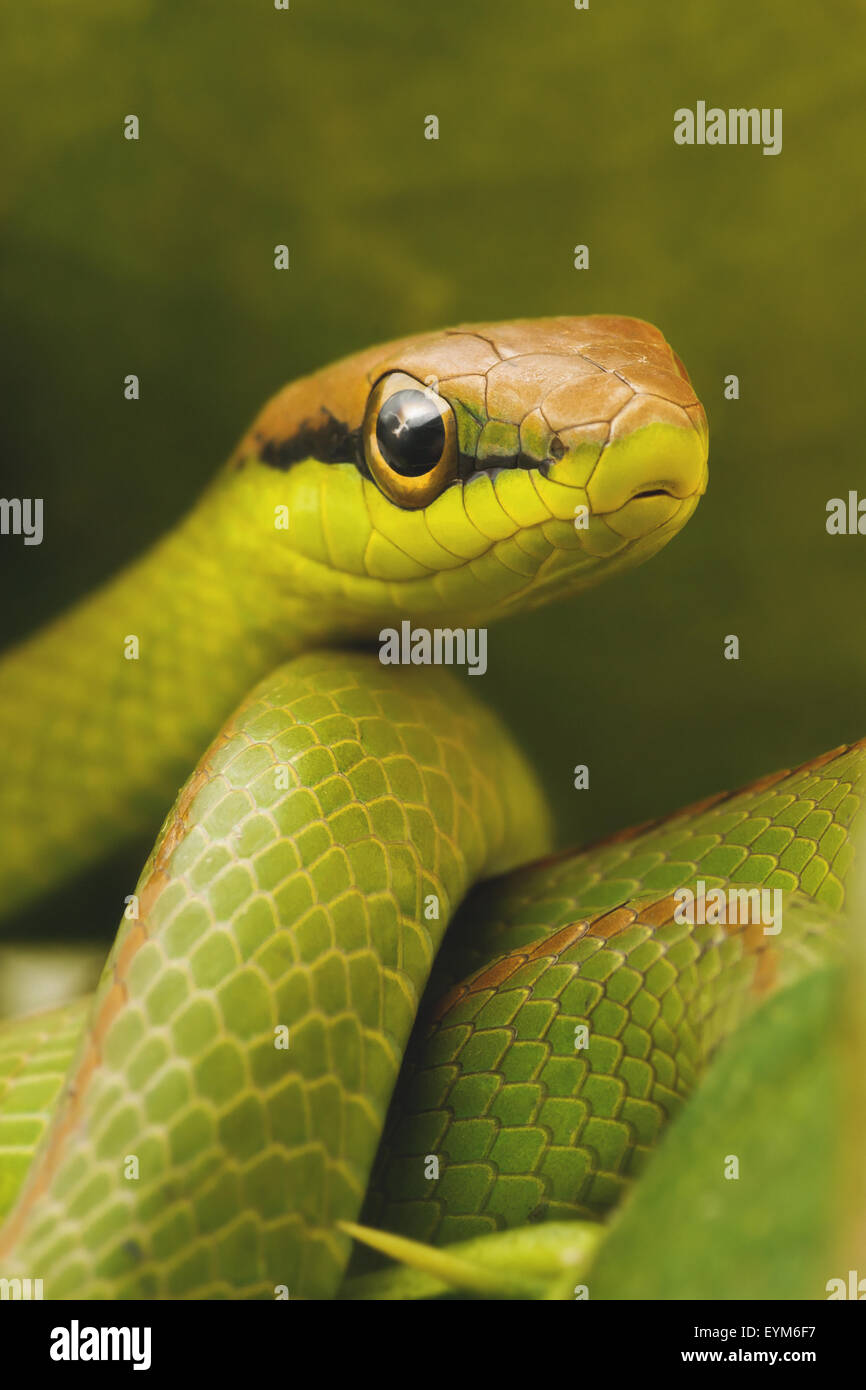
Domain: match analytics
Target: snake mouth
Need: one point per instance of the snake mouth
(673, 493)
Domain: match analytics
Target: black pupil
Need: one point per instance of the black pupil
(411, 433)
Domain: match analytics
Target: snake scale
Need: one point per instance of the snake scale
(268, 1060)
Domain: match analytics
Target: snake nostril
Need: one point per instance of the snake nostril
(653, 492)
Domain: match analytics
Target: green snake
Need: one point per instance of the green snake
(245, 1092)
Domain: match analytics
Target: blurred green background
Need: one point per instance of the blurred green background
(556, 127)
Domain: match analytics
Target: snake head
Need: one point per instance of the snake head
(482, 469)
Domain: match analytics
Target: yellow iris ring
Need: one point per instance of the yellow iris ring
(406, 491)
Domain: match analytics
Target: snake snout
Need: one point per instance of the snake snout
(661, 464)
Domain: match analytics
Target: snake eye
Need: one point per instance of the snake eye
(410, 440)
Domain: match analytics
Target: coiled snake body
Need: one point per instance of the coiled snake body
(228, 1086)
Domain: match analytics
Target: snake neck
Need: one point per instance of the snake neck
(103, 713)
